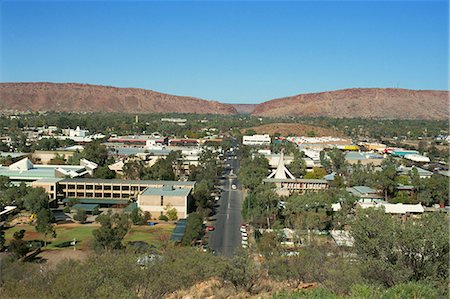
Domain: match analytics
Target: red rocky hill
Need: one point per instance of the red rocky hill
(92, 98)
(389, 103)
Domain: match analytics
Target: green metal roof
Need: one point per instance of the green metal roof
(98, 201)
(178, 231)
(131, 207)
(86, 207)
(166, 191)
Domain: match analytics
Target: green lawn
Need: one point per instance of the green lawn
(150, 234)
(83, 234)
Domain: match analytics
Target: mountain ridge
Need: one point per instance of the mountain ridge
(382, 103)
(77, 97)
(352, 102)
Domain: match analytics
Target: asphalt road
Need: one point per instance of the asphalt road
(228, 219)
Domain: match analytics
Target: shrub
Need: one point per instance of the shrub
(164, 218)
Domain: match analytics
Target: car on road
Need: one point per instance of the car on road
(233, 187)
(244, 242)
(245, 238)
(210, 228)
(244, 246)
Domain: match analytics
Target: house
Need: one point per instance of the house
(405, 171)
(365, 194)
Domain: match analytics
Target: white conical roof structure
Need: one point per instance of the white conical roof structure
(281, 172)
(24, 164)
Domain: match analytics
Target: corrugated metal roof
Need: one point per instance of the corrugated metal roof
(97, 201)
(86, 207)
(178, 231)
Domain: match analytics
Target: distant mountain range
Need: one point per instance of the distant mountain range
(391, 103)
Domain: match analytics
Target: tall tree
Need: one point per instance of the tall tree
(387, 177)
(113, 229)
(44, 224)
(95, 152)
(298, 165)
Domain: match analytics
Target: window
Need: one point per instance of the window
(107, 195)
(162, 200)
(71, 186)
(89, 187)
(71, 194)
(80, 187)
(116, 188)
(106, 187)
(142, 188)
(98, 195)
(52, 188)
(116, 195)
(89, 194)
(98, 187)
(80, 194)
(125, 188)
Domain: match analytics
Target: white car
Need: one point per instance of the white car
(244, 246)
(244, 238)
(244, 242)
(233, 187)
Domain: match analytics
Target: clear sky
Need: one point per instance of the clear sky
(235, 52)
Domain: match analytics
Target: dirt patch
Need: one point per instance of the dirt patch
(54, 257)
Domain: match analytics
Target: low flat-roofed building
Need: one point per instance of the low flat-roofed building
(25, 171)
(417, 158)
(256, 140)
(363, 158)
(285, 187)
(157, 200)
(402, 152)
(320, 143)
(373, 146)
(397, 208)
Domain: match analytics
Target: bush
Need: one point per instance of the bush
(96, 211)
(80, 216)
(66, 209)
(163, 217)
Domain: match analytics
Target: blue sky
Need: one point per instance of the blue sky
(235, 52)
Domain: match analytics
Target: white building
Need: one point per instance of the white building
(256, 140)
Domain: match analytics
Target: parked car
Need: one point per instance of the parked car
(233, 187)
(210, 228)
